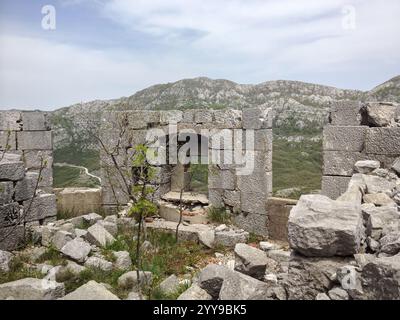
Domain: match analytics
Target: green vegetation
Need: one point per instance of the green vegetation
(199, 173)
(219, 215)
(72, 177)
(297, 164)
(53, 256)
(19, 270)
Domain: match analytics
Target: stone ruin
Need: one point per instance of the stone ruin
(244, 196)
(25, 139)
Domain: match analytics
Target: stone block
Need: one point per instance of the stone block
(252, 222)
(171, 117)
(10, 120)
(228, 118)
(253, 202)
(345, 113)
(35, 140)
(43, 206)
(278, 210)
(215, 197)
(8, 140)
(383, 141)
(232, 198)
(11, 170)
(340, 163)
(256, 183)
(10, 214)
(33, 158)
(334, 186)
(35, 121)
(221, 179)
(221, 139)
(14, 237)
(203, 116)
(188, 116)
(6, 192)
(263, 139)
(140, 119)
(25, 188)
(342, 138)
(113, 196)
(257, 118)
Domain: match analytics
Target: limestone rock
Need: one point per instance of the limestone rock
(211, 279)
(319, 226)
(251, 261)
(377, 184)
(92, 218)
(195, 293)
(133, 295)
(122, 260)
(322, 296)
(5, 260)
(396, 166)
(266, 246)
(32, 289)
(91, 291)
(390, 243)
(379, 218)
(367, 166)
(170, 285)
(129, 280)
(207, 238)
(99, 236)
(229, 238)
(61, 238)
(338, 294)
(76, 249)
(379, 199)
(98, 263)
(111, 227)
(379, 114)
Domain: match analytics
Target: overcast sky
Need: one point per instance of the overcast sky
(103, 49)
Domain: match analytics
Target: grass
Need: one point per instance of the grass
(72, 177)
(53, 256)
(219, 215)
(19, 270)
(297, 164)
(199, 182)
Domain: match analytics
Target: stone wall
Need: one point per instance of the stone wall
(25, 139)
(73, 202)
(244, 195)
(357, 132)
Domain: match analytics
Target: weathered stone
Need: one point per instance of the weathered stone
(111, 227)
(203, 116)
(32, 289)
(25, 189)
(367, 166)
(378, 218)
(10, 120)
(380, 114)
(390, 243)
(207, 238)
(282, 257)
(338, 294)
(14, 237)
(43, 206)
(35, 121)
(322, 296)
(211, 279)
(171, 116)
(35, 140)
(252, 261)
(98, 263)
(129, 280)
(133, 295)
(255, 182)
(228, 118)
(309, 276)
(8, 141)
(33, 159)
(345, 113)
(253, 202)
(340, 138)
(229, 238)
(267, 246)
(92, 218)
(170, 285)
(379, 199)
(221, 179)
(385, 141)
(122, 260)
(6, 192)
(340, 163)
(61, 238)
(76, 249)
(74, 268)
(5, 260)
(396, 166)
(10, 214)
(319, 226)
(91, 291)
(99, 236)
(257, 118)
(238, 286)
(380, 278)
(195, 293)
(378, 185)
(11, 170)
(46, 234)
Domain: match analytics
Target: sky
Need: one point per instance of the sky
(54, 53)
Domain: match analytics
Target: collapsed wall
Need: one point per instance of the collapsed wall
(244, 195)
(25, 151)
(358, 132)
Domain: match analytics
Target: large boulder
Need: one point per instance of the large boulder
(122, 260)
(76, 249)
(32, 289)
(380, 114)
(230, 237)
(129, 280)
(195, 293)
(252, 261)
(170, 285)
(98, 263)
(91, 291)
(380, 220)
(390, 243)
(99, 236)
(60, 239)
(321, 227)
(212, 277)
